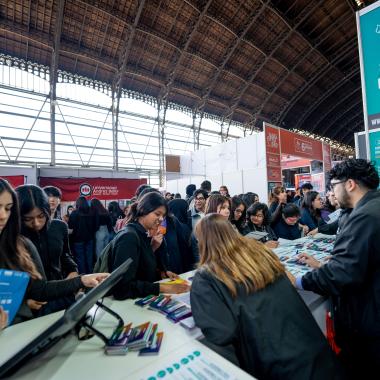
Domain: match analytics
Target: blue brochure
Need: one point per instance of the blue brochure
(12, 290)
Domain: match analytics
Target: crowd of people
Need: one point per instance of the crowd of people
(241, 296)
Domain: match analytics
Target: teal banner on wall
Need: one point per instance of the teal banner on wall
(369, 39)
(374, 143)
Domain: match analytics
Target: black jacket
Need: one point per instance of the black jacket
(272, 330)
(52, 244)
(352, 275)
(335, 227)
(134, 243)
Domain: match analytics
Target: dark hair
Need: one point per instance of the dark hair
(200, 191)
(254, 209)
(30, 197)
(307, 203)
(249, 198)
(190, 190)
(206, 185)
(307, 186)
(82, 206)
(290, 210)
(67, 210)
(275, 193)
(215, 200)
(98, 207)
(115, 212)
(147, 190)
(11, 256)
(52, 191)
(140, 189)
(360, 170)
(235, 203)
(145, 205)
(177, 196)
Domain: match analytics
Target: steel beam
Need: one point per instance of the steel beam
(328, 93)
(117, 82)
(306, 12)
(175, 64)
(307, 85)
(252, 19)
(53, 78)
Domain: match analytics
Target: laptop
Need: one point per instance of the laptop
(72, 316)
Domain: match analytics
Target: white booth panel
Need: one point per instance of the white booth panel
(251, 152)
(198, 165)
(228, 156)
(255, 180)
(185, 164)
(234, 182)
(216, 181)
(212, 159)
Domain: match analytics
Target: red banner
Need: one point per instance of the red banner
(101, 188)
(300, 146)
(326, 157)
(272, 143)
(14, 180)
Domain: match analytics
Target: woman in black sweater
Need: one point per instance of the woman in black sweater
(139, 241)
(242, 300)
(50, 237)
(18, 253)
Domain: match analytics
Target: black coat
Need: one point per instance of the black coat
(352, 278)
(52, 244)
(133, 242)
(272, 330)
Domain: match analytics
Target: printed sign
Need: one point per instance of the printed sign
(101, 188)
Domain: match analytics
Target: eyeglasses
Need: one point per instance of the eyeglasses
(258, 216)
(332, 184)
(200, 199)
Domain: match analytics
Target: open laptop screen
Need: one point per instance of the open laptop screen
(67, 322)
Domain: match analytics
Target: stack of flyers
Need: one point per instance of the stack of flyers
(118, 342)
(188, 323)
(179, 314)
(145, 301)
(159, 303)
(154, 348)
(139, 336)
(171, 306)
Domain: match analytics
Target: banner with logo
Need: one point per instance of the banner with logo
(368, 24)
(300, 146)
(273, 153)
(101, 188)
(14, 180)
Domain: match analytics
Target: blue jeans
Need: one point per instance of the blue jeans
(102, 239)
(83, 253)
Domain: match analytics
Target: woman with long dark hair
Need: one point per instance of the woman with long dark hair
(242, 299)
(258, 219)
(103, 225)
(50, 237)
(238, 214)
(311, 210)
(83, 227)
(277, 201)
(139, 241)
(18, 253)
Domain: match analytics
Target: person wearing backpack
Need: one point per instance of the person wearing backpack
(139, 241)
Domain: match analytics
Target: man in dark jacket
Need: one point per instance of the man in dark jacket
(352, 276)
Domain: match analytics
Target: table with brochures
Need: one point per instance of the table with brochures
(181, 355)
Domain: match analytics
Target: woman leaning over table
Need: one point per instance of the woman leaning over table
(139, 241)
(18, 253)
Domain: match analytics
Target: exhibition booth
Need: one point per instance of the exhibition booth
(256, 163)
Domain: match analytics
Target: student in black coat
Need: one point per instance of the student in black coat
(139, 241)
(18, 253)
(50, 237)
(241, 297)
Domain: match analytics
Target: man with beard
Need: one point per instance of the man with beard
(352, 276)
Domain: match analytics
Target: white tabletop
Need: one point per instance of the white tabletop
(71, 358)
